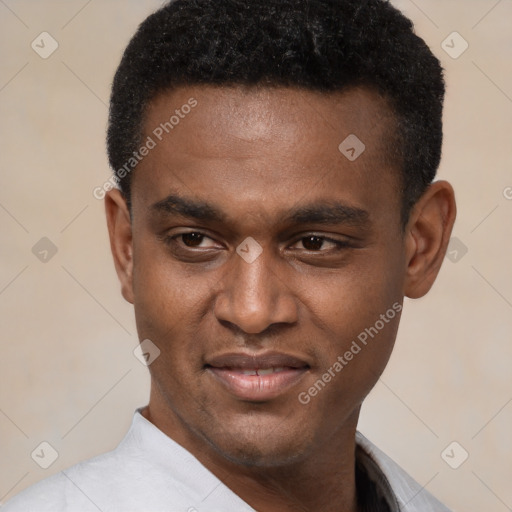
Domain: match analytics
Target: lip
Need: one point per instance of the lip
(228, 369)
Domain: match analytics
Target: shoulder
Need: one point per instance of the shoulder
(57, 493)
(147, 471)
(113, 481)
(76, 488)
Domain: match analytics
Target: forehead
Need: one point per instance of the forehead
(252, 113)
(261, 143)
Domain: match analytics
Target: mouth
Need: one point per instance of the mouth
(257, 378)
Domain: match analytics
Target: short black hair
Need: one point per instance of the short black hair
(318, 45)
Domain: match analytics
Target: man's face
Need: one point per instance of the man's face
(243, 335)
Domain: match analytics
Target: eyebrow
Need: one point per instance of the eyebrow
(328, 213)
(199, 210)
(314, 213)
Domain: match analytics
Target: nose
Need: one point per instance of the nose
(255, 295)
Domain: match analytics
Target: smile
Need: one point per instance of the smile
(262, 371)
(257, 378)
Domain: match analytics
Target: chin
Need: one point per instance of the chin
(261, 446)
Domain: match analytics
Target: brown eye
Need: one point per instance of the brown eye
(192, 239)
(312, 243)
(320, 244)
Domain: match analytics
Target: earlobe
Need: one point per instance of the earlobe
(427, 236)
(120, 233)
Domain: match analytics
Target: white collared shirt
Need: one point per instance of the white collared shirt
(149, 472)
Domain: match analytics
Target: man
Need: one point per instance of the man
(275, 161)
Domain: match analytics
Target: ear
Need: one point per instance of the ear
(427, 236)
(120, 233)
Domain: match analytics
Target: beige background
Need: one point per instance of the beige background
(68, 374)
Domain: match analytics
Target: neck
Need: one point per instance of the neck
(323, 481)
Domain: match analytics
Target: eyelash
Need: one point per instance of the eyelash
(340, 245)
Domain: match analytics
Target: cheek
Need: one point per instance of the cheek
(352, 299)
(169, 304)
(168, 312)
(357, 341)
(359, 314)
(163, 286)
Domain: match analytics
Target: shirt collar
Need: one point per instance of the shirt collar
(400, 491)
